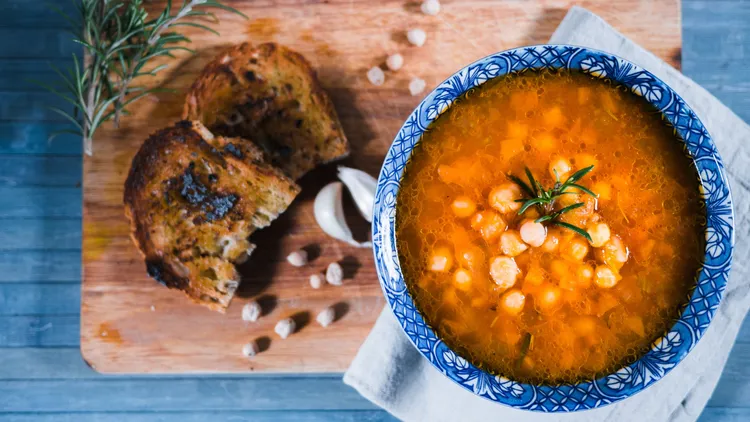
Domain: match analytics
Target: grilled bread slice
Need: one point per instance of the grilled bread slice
(192, 200)
(269, 94)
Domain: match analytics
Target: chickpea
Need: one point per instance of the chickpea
(576, 249)
(559, 168)
(462, 278)
(511, 243)
(472, 257)
(489, 224)
(599, 233)
(441, 259)
(503, 198)
(552, 242)
(604, 277)
(533, 233)
(613, 253)
(504, 271)
(548, 297)
(513, 301)
(463, 206)
(584, 273)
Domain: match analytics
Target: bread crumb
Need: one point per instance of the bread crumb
(298, 258)
(326, 316)
(416, 86)
(285, 327)
(416, 37)
(335, 274)
(250, 349)
(394, 61)
(316, 281)
(376, 76)
(251, 311)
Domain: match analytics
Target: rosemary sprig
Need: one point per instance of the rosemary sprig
(544, 199)
(120, 41)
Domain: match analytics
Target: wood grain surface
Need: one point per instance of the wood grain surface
(130, 324)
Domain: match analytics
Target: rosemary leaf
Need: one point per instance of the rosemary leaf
(582, 189)
(530, 203)
(523, 185)
(119, 39)
(543, 218)
(568, 226)
(568, 208)
(534, 184)
(577, 175)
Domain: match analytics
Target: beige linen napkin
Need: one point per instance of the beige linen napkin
(390, 372)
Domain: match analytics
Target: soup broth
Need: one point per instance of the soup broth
(539, 302)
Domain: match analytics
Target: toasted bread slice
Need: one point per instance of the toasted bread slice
(192, 203)
(269, 94)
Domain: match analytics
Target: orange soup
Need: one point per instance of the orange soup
(579, 281)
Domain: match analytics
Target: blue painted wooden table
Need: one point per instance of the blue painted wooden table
(42, 375)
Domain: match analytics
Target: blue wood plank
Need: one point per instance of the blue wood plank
(30, 202)
(725, 414)
(24, 13)
(40, 171)
(39, 299)
(66, 363)
(716, 14)
(214, 416)
(35, 138)
(52, 363)
(41, 331)
(188, 395)
(31, 107)
(40, 233)
(38, 43)
(40, 266)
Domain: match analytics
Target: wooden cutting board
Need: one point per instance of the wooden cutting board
(130, 324)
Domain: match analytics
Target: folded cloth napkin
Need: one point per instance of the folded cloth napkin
(390, 372)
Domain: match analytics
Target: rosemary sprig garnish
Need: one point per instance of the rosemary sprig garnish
(120, 41)
(544, 199)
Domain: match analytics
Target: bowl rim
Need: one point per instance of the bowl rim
(704, 298)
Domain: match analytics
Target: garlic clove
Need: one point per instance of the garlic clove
(251, 311)
(329, 214)
(285, 327)
(335, 274)
(326, 317)
(362, 187)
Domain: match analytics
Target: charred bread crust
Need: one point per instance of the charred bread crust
(192, 204)
(271, 95)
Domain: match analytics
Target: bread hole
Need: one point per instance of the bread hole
(210, 274)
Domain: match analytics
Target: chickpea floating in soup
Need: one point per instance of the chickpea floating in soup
(549, 226)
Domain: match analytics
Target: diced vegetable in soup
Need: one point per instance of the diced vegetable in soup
(549, 226)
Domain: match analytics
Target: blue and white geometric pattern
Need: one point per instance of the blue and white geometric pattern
(665, 352)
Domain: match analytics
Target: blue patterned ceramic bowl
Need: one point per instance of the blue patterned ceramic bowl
(667, 351)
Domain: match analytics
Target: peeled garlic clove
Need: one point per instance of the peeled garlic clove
(250, 349)
(362, 187)
(329, 213)
(285, 327)
(251, 311)
(326, 317)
